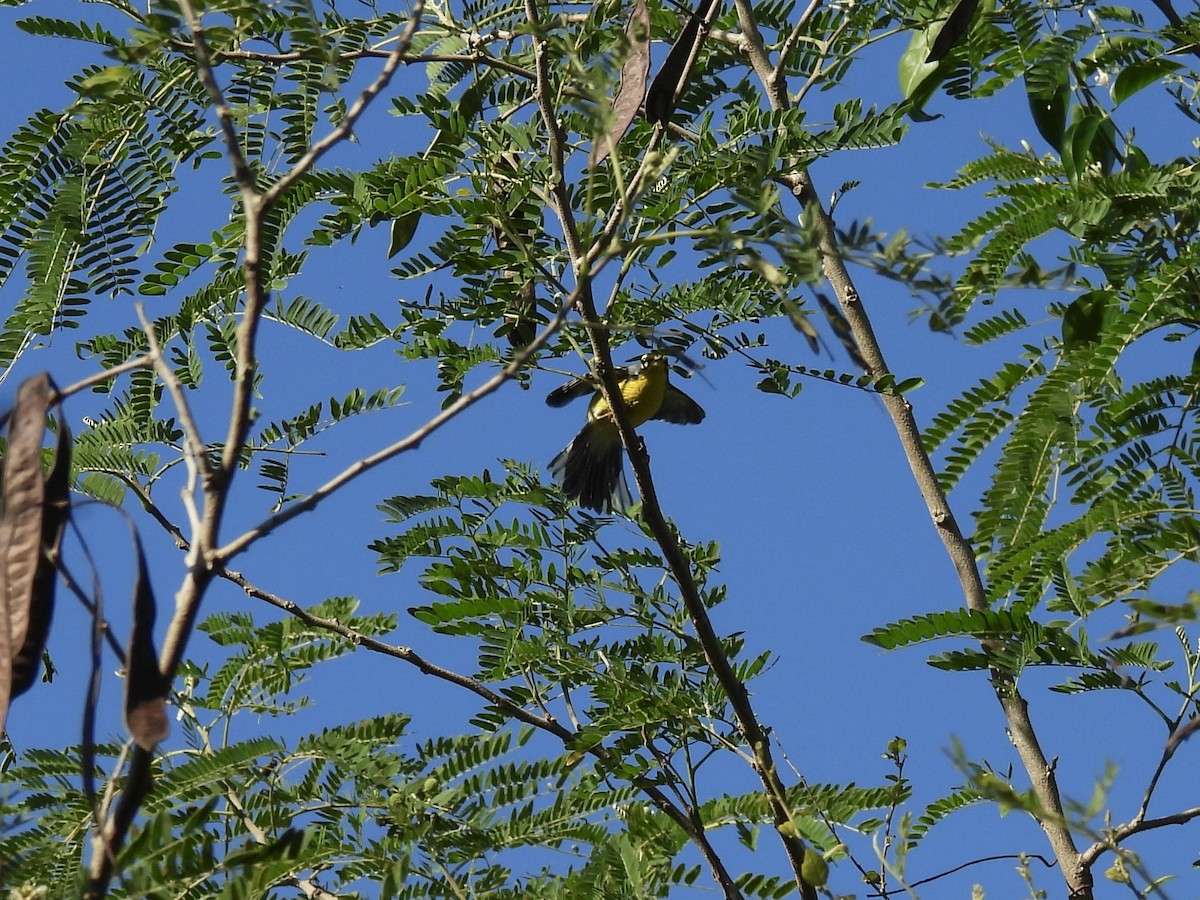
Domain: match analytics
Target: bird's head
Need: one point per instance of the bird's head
(653, 360)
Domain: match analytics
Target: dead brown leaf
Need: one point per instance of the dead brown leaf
(24, 490)
(145, 686)
(672, 79)
(634, 73)
(55, 511)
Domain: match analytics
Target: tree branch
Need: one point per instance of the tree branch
(752, 731)
(61, 394)
(411, 442)
(346, 126)
(546, 723)
(962, 555)
(216, 483)
(1120, 833)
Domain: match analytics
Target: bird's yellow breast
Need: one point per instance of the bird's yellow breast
(642, 392)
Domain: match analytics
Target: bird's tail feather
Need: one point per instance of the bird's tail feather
(592, 469)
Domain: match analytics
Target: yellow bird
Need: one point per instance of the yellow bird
(591, 468)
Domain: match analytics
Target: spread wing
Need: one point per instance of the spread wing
(576, 387)
(583, 386)
(678, 408)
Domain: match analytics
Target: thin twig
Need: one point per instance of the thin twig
(148, 504)
(1139, 822)
(192, 441)
(752, 731)
(1049, 864)
(195, 454)
(141, 362)
(1120, 833)
(478, 57)
(785, 49)
(546, 723)
(1164, 758)
(346, 126)
(962, 555)
(223, 554)
(819, 69)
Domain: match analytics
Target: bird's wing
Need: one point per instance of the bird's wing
(678, 408)
(576, 387)
(583, 386)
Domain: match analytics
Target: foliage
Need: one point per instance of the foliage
(216, 155)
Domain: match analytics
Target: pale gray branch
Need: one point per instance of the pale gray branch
(204, 68)
(346, 126)
(223, 554)
(785, 49)
(141, 362)
(962, 555)
(546, 722)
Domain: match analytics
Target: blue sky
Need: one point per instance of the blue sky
(824, 535)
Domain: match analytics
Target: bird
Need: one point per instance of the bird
(591, 468)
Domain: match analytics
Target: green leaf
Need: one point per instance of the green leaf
(936, 811)
(106, 81)
(1090, 140)
(919, 76)
(403, 230)
(952, 623)
(1048, 91)
(1087, 318)
(1139, 75)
